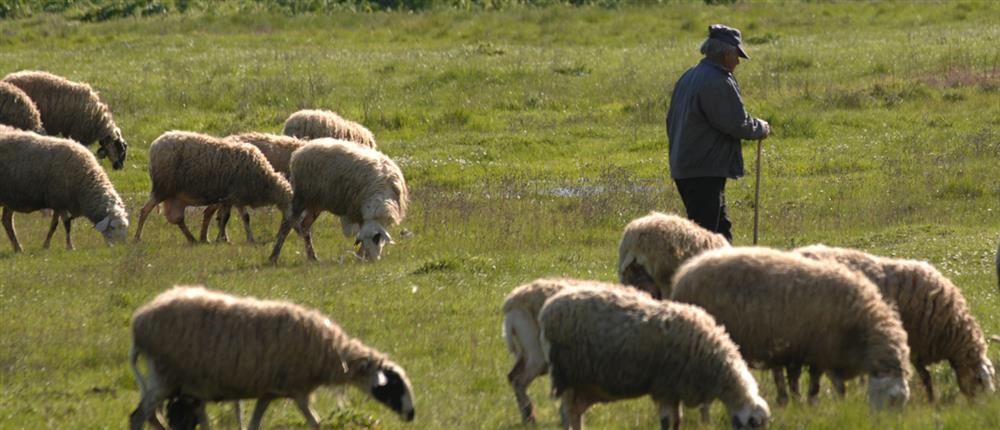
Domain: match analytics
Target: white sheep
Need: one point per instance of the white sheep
(217, 347)
(318, 123)
(191, 169)
(938, 323)
(362, 186)
(17, 110)
(606, 344)
(654, 246)
(784, 309)
(277, 149)
(73, 110)
(45, 172)
(520, 330)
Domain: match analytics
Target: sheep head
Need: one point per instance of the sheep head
(976, 378)
(370, 241)
(390, 386)
(113, 147)
(752, 416)
(114, 227)
(886, 390)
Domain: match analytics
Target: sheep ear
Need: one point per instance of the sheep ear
(102, 226)
(381, 380)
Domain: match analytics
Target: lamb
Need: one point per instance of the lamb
(17, 110)
(520, 329)
(216, 347)
(762, 296)
(938, 323)
(654, 246)
(317, 123)
(191, 169)
(606, 344)
(46, 172)
(362, 186)
(277, 149)
(73, 110)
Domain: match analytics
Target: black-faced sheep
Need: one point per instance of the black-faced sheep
(362, 186)
(216, 347)
(654, 246)
(783, 309)
(44, 172)
(191, 169)
(17, 110)
(606, 344)
(314, 124)
(938, 323)
(73, 110)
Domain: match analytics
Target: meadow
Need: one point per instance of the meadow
(529, 137)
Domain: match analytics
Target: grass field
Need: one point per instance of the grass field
(529, 137)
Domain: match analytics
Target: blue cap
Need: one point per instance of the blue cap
(729, 35)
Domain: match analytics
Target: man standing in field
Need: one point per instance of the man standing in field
(705, 123)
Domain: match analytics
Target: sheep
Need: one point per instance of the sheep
(520, 330)
(653, 246)
(17, 110)
(784, 309)
(606, 344)
(73, 110)
(46, 172)
(362, 186)
(277, 149)
(317, 123)
(217, 347)
(937, 320)
(191, 169)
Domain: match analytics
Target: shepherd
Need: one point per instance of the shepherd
(705, 124)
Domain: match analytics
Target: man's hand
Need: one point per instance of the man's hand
(767, 129)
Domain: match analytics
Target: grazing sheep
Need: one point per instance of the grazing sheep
(277, 149)
(606, 344)
(314, 124)
(938, 323)
(73, 110)
(362, 186)
(520, 329)
(44, 172)
(17, 110)
(216, 347)
(654, 246)
(784, 309)
(191, 169)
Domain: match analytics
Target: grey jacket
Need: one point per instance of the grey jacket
(705, 123)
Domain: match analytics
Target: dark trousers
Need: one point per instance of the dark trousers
(705, 201)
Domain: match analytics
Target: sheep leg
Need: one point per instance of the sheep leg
(199, 411)
(239, 414)
(205, 220)
(152, 396)
(779, 382)
(572, 409)
(245, 217)
(521, 392)
(52, 230)
(306, 226)
(925, 378)
(303, 403)
(279, 240)
(530, 360)
(258, 412)
(670, 415)
(792, 373)
(706, 417)
(223, 220)
(838, 386)
(174, 210)
(67, 225)
(815, 374)
(8, 224)
(143, 214)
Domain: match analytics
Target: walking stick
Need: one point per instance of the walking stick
(756, 196)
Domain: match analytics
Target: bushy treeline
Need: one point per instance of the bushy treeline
(102, 10)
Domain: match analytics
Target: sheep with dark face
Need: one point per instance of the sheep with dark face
(73, 110)
(362, 186)
(216, 347)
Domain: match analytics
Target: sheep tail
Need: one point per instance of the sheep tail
(133, 359)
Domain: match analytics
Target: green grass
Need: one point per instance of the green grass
(529, 137)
